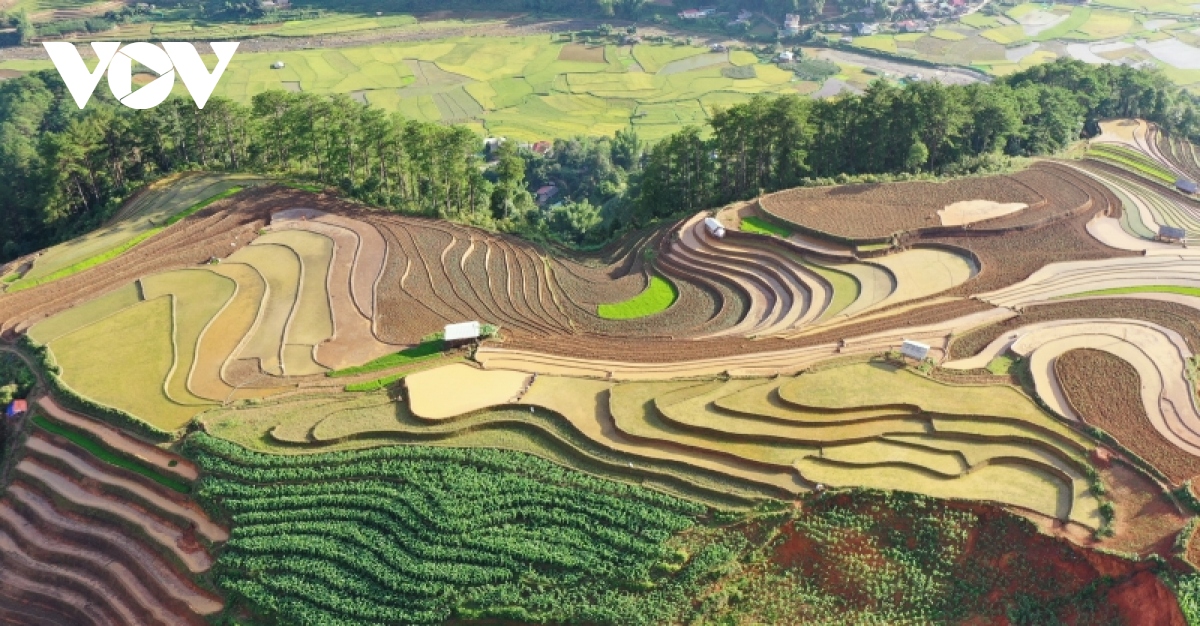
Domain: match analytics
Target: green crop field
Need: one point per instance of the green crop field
(511, 86)
(1177, 289)
(763, 227)
(519, 547)
(658, 295)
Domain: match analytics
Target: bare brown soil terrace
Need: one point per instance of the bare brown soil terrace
(1115, 406)
(1002, 552)
(882, 210)
(216, 231)
(87, 543)
(1182, 319)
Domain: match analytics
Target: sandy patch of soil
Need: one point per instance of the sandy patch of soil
(456, 389)
(971, 211)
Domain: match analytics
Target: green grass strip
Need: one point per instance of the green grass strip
(1132, 161)
(188, 212)
(760, 226)
(1114, 291)
(659, 295)
(375, 385)
(105, 454)
(1001, 365)
(84, 264)
(11, 278)
(121, 249)
(419, 352)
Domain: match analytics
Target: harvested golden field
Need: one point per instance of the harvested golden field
(124, 360)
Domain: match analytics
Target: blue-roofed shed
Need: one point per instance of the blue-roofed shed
(1187, 186)
(1171, 233)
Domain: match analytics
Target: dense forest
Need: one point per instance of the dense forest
(67, 170)
(918, 128)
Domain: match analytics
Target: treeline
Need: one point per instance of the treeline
(67, 170)
(919, 128)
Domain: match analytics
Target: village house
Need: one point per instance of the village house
(491, 145)
(695, 14)
(545, 194)
(1170, 234)
(791, 23)
(17, 408)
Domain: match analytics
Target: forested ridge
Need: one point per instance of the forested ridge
(67, 170)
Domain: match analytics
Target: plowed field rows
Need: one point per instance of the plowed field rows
(83, 542)
(881, 210)
(1177, 317)
(1103, 390)
(654, 350)
(215, 231)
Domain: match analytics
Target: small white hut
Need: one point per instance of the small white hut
(914, 350)
(714, 227)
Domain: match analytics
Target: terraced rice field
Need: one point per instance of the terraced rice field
(140, 338)
(793, 432)
(196, 297)
(528, 88)
(149, 210)
(760, 377)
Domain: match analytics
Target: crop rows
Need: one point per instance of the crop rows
(1179, 152)
(1115, 406)
(431, 533)
(196, 239)
(926, 451)
(88, 543)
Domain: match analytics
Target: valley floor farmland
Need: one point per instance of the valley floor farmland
(529, 88)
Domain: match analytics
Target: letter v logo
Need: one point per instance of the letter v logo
(191, 68)
(74, 73)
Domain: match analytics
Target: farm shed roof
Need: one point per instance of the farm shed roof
(461, 331)
(914, 349)
(1184, 184)
(17, 408)
(1171, 232)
